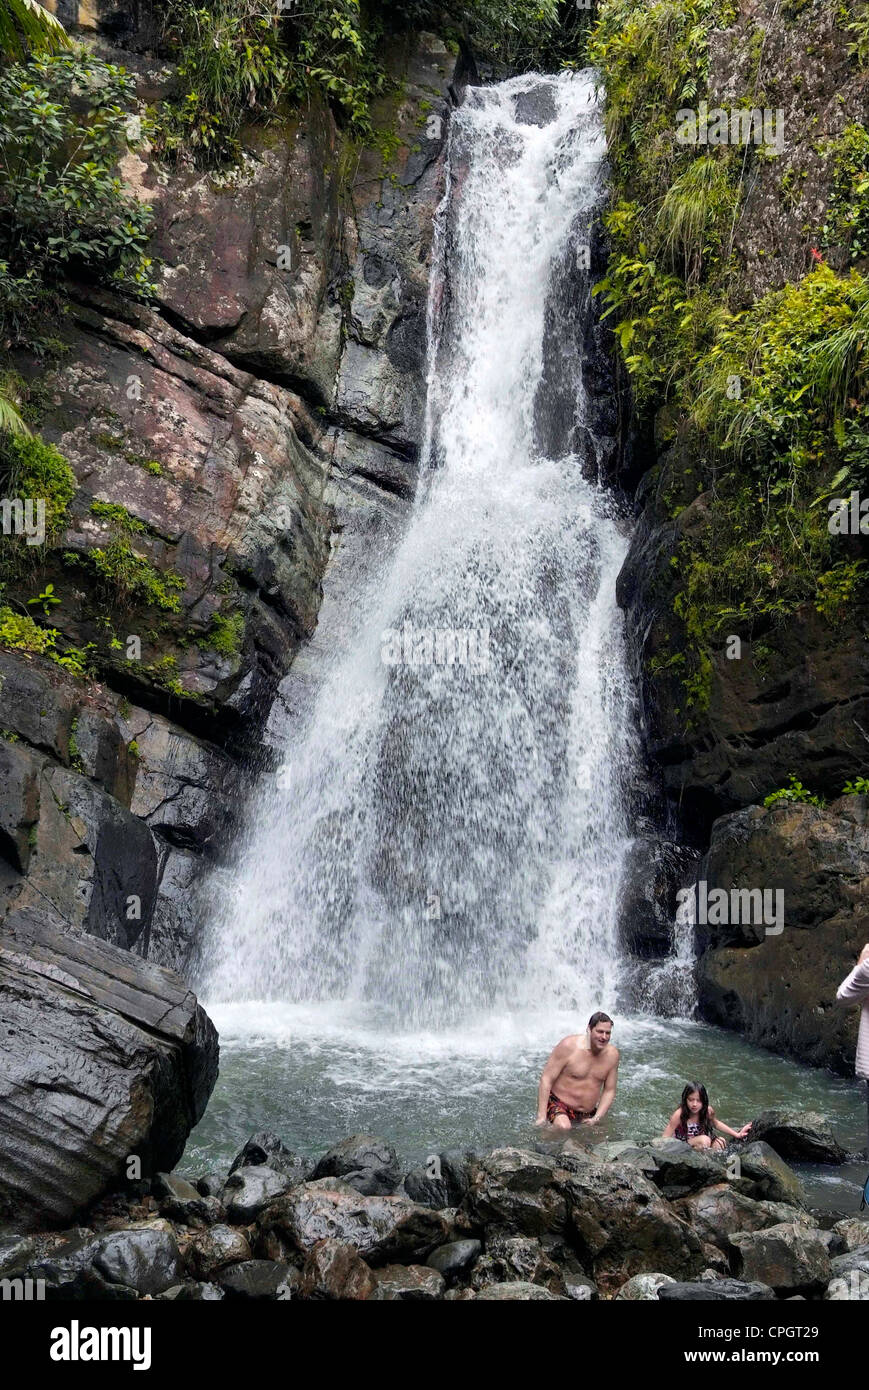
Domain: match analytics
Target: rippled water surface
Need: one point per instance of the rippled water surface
(314, 1075)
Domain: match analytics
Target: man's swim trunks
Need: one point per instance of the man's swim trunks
(558, 1107)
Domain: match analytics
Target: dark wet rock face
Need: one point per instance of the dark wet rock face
(775, 987)
(142, 1053)
(364, 1162)
(271, 394)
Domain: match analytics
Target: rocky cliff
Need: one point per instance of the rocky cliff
(733, 267)
(266, 402)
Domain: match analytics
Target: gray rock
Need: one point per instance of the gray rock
(408, 1284)
(196, 1212)
(770, 1178)
(444, 1190)
(642, 1288)
(211, 1184)
(142, 1051)
(788, 1257)
(849, 1234)
(191, 1292)
(519, 1259)
(798, 1137)
(248, 1190)
(580, 1289)
(213, 1249)
(144, 1260)
(267, 1150)
(858, 1259)
(173, 1185)
(259, 1279)
(454, 1258)
(334, 1270)
(725, 1290)
(385, 1230)
(517, 1292)
(367, 1163)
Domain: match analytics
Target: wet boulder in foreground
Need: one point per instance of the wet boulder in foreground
(105, 1057)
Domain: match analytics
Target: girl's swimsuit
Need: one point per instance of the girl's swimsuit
(690, 1131)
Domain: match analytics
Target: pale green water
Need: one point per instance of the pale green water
(314, 1074)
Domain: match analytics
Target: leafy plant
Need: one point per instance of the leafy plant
(63, 209)
(794, 791)
(858, 786)
(232, 67)
(46, 600)
(26, 25)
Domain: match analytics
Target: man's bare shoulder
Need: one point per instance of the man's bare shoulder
(570, 1042)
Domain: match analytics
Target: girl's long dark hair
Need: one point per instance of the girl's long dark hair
(703, 1117)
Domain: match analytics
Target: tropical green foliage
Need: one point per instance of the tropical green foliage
(63, 209)
(232, 67)
(794, 791)
(765, 398)
(238, 60)
(847, 222)
(26, 25)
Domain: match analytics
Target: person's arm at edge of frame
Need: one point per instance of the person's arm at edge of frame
(854, 989)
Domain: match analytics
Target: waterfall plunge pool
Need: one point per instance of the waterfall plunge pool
(316, 1073)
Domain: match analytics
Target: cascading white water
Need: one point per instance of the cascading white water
(448, 835)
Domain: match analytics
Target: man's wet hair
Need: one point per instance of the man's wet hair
(598, 1018)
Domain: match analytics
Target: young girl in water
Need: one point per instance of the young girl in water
(695, 1121)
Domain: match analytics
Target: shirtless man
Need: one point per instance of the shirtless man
(578, 1084)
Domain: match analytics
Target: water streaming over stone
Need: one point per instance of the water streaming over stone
(449, 828)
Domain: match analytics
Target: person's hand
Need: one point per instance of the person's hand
(743, 1133)
(540, 1120)
(592, 1121)
(864, 954)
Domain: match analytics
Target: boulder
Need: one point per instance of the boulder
(142, 1051)
(385, 1230)
(516, 1258)
(408, 1284)
(517, 1292)
(211, 1184)
(266, 1150)
(454, 1258)
(725, 1290)
(173, 1185)
(191, 1291)
(857, 1259)
(798, 1137)
(621, 1225)
(848, 1234)
(643, 1288)
(439, 1184)
(788, 1257)
(367, 1163)
(764, 1175)
(118, 1265)
(850, 1281)
(518, 1190)
(779, 989)
(210, 1251)
(679, 1169)
(197, 1212)
(333, 1269)
(717, 1212)
(248, 1190)
(259, 1279)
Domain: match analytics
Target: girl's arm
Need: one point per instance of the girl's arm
(725, 1129)
(670, 1131)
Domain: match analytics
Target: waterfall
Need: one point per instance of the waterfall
(448, 831)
